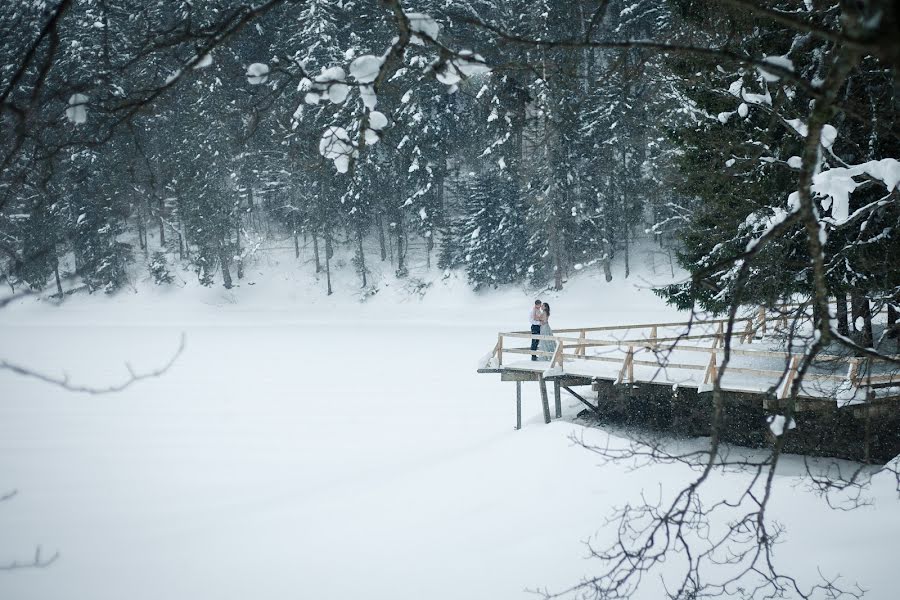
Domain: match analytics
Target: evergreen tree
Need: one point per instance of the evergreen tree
(494, 236)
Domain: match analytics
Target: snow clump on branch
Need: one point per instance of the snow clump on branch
(336, 146)
(420, 23)
(257, 73)
(77, 111)
(328, 84)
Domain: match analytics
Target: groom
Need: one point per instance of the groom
(535, 325)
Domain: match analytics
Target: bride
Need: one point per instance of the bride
(546, 345)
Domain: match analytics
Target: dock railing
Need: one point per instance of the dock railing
(572, 345)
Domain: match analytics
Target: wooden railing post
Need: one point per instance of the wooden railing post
(631, 364)
(762, 319)
(581, 338)
(712, 369)
(653, 337)
(853, 372)
(627, 366)
(719, 336)
(558, 355)
(499, 349)
(789, 378)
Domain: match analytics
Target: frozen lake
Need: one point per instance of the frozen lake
(321, 453)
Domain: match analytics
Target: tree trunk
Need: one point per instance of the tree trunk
(316, 252)
(59, 289)
(429, 246)
(226, 274)
(238, 257)
(361, 255)
(142, 234)
(606, 260)
(390, 241)
(401, 266)
(868, 339)
(893, 315)
(162, 226)
(296, 244)
(555, 244)
(328, 261)
(623, 174)
(379, 223)
(842, 323)
(186, 242)
(860, 310)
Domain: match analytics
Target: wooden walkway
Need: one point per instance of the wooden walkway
(687, 355)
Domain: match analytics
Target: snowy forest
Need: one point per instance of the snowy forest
(251, 176)
(488, 136)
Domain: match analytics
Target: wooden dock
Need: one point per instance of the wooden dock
(611, 367)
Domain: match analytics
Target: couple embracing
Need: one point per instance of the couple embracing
(540, 325)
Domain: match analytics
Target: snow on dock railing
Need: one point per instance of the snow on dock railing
(574, 350)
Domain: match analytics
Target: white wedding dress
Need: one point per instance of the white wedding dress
(546, 345)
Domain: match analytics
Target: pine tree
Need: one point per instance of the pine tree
(494, 231)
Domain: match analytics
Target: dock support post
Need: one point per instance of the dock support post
(544, 400)
(518, 405)
(557, 399)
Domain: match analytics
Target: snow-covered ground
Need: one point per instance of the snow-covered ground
(313, 447)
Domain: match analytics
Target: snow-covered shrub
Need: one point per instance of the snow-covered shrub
(417, 286)
(367, 293)
(159, 269)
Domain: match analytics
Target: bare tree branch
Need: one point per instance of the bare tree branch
(66, 384)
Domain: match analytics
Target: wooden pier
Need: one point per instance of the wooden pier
(615, 370)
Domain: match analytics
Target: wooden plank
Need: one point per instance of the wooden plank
(557, 399)
(565, 379)
(529, 336)
(789, 378)
(646, 341)
(880, 380)
(631, 364)
(654, 342)
(734, 351)
(646, 325)
(763, 353)
(699, 367)
(510, 375)
(853, 373)
(719, 336)
(596, 409)
(626, 369)
(499, 349)
(780, 374)
(652, 363)
(528, 351)
(711, 370)
(545, 402)
(557, 356)
(518, 405)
